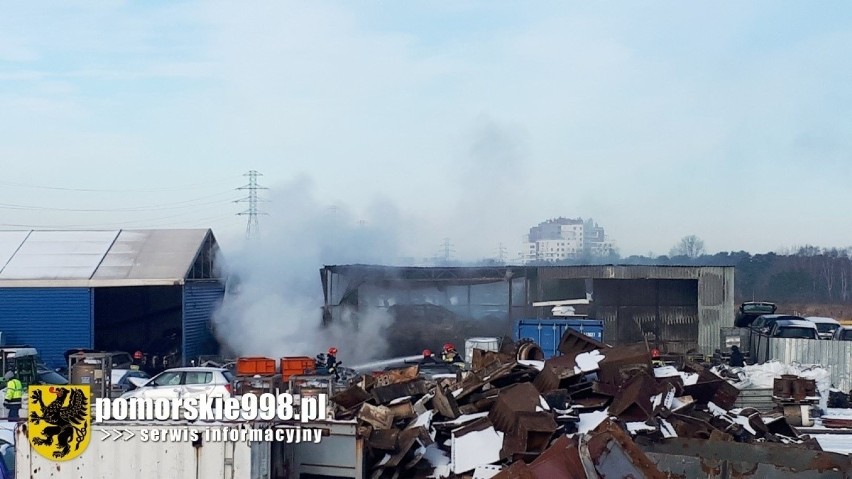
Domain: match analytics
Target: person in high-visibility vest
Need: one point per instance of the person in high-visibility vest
(14, 393)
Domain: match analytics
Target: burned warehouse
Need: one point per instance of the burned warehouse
(680, 306)
(118, 290)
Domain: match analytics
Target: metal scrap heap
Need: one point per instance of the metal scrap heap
(593, 412)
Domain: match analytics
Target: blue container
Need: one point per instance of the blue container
(548, 332)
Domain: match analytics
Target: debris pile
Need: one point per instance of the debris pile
(593, 412)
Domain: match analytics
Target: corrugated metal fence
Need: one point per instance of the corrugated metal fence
(835, 356)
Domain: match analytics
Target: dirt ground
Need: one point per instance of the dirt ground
(840, 312)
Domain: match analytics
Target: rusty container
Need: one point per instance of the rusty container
(254, 366)
(297, 366)
(783, 387)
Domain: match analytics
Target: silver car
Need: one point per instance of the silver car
(825, 326)
(180, 383)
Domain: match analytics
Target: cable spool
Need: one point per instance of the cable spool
(527, 349)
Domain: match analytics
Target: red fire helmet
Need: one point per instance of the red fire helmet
(427, 353)
(655, 353)
(332, 350)
(449, 347)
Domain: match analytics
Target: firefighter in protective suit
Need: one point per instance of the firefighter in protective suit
(656, 358)
(331, 362)
(449, 354)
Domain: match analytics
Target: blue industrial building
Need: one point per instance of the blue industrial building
(117, 290)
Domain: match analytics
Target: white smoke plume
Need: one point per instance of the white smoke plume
(277, 308)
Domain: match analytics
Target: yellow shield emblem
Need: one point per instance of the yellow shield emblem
(59, 421)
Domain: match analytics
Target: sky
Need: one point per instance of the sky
(465, 120)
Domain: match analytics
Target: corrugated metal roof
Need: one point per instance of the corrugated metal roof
(98, 258)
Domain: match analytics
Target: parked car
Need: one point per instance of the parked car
(751, 310)
(121, 379)
(121, 360)
(7, 460)
(825, 326)
(46, 376)
(763, 324)
(184, 382)
(794, 328)
(843, 333)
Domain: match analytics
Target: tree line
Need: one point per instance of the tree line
(808, 274)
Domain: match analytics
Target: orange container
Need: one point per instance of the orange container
(296, 365)
(256, 365)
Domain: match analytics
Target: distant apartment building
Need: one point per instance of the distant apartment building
(562, 239)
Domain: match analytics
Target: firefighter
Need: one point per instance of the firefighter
(656, 358)
(14, 393)
(138, 358)
(332, 363)
(449, 354)
(428, 357)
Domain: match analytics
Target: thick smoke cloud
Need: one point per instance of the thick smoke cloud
(274, 304)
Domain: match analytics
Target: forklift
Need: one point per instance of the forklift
(23, 360)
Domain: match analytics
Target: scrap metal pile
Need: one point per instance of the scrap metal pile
(593, 412)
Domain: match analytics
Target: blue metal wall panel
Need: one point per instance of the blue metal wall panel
(200, 300)
(52, 320)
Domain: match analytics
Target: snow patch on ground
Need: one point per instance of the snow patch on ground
(530, 362)
(591, 420)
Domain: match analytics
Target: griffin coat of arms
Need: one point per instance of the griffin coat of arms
(59, 420)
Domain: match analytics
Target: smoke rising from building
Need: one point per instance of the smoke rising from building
(273, 306)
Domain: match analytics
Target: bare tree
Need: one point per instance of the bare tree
(690, 246)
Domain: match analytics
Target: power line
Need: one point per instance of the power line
(168, 206)
(123, 190)
(252, 227)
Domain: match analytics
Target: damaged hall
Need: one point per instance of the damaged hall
(682, 308)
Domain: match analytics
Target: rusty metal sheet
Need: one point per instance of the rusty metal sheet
(574, 342)
(711, 388)
(514, 399)
(560, 460)
(614, 454)
(407, 439)
(532, 433)
(380, 417)
(555, 370)
(694, 427)
(445, 403)
(518, 470)
(623, 362)
(556, 399)
(683, 457)
(394, 376)
(420, 405)
(482, 358)
(384, 439)
(386, 394)
(633, 402)
(351, 397)
(836, 422)
(402, 410)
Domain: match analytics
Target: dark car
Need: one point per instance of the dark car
(751, 310)
(843, 333)
(763, 324)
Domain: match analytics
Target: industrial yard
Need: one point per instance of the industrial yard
(562, 371)
(425, 240)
